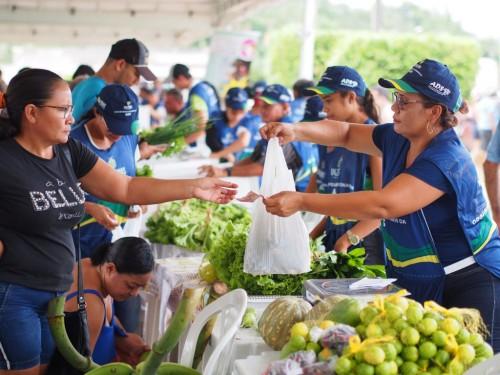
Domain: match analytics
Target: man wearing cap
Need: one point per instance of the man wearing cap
(127, 60)
(441, 242)
(227, 137)
(301, 157)
(298, 104)
(203, 100)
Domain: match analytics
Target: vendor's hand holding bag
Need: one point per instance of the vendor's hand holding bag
(276, 245)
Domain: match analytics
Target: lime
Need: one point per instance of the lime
(439, 338)
(427, 326)
(390, 351)
(343, 366)
(409, 335)
(477, 360)
(484, 350)
(466, 353)
(208, 273)
(450, 325)
(423, 364)
(367, 314)
(374, 330)
(433, 315)
(409, 368)
(397, 344)
(365, 369)
(399, 361)
(427, 350)
(402, 303)
(299, 329)
(476, 339)
(414, 314)
(434, 370)
(410, 353)
(387, 368)
(374, 355)
(400, 324)
(361, 329)
(455, 367)
(442, 357)
(393, 312)
(463, 336)
(297, 342)
(391, 332)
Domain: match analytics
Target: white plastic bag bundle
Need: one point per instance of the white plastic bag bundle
(276, 245)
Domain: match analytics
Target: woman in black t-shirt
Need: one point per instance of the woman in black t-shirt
(41, 199)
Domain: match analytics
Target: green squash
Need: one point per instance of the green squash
(278, 317)
(346, 311)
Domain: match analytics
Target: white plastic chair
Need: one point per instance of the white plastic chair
(231, 307)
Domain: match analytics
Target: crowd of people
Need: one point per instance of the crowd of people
(405, 188)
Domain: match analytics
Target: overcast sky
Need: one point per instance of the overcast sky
(479, 17)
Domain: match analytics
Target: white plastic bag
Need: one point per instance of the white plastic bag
(131, 228)
(276, 245)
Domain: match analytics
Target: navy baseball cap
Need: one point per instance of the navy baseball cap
(340, 78)
(274, 94)
(314, 109)
(135, 53)
(236, 98)
(118, 104)
(431, 79)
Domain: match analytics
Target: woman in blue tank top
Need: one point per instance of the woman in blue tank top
(116, 271)
(440, 240)
(346, 98)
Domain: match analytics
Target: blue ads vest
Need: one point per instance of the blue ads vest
(308, 153)
(341, 171)
(412, 256)
(226, 134)
(208, 93)
(298, 109)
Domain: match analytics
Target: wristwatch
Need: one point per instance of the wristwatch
(353, 238)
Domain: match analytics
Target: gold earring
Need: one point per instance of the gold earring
(430, 128)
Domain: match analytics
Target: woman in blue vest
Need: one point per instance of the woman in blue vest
(441, 243)
(346, 98)
(228, 138)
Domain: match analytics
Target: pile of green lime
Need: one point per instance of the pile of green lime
(400, 336)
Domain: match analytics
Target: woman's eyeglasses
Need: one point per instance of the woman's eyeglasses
(64, 110)
(402, 102)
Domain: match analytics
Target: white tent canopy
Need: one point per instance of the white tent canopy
(96, 22)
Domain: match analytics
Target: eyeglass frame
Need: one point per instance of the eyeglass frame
(402, 105)
(66, 110)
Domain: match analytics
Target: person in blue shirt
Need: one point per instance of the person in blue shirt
(301, 157)
(127, 61)
(491, 166)
(298, 104)
(109, 131)
(228, 138)
(346, 98)
(441, 242)
(203, 100)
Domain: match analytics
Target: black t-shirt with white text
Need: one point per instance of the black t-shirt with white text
(40, 201)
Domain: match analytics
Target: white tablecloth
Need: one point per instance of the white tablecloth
(255, 364)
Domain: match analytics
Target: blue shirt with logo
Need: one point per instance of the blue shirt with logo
(252, 123)
(121, 157)
(228, 135)
(84, 95)
(297, 109)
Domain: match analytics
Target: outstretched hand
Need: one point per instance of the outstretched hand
(284, 204)
(215, 190)
(284, 132)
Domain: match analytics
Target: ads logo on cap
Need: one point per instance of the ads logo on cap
(439, 88)
(348, 82)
